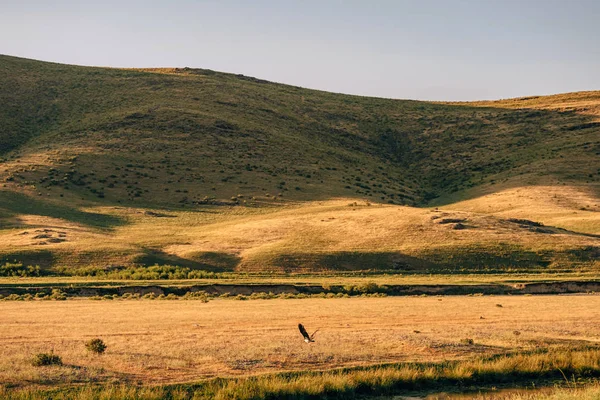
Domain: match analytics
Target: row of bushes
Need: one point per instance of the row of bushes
(154, 272)
(19, 270)
(202, 296)
(56, 294)
(170, 272)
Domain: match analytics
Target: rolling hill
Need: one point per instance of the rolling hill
(227, 172)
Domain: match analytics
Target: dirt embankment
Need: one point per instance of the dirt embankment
(247, 289)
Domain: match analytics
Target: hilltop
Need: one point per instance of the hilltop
(222, 171)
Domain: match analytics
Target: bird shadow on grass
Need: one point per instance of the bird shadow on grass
(14, 204)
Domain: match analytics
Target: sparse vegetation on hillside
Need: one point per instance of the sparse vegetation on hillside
(183, 137)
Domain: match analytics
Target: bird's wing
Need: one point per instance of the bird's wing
(303, 331)
(314, 333)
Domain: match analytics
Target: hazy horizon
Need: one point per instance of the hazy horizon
(427, 50)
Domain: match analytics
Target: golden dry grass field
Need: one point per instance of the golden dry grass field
(334, 235)
(157, 342)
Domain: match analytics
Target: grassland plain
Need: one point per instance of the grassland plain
(225, 172)
(427, 343)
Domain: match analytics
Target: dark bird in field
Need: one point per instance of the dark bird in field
(307, 338)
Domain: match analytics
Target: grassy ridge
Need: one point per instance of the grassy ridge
(540, 366)
(177, 136)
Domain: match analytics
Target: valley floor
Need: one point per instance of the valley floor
(159, 342)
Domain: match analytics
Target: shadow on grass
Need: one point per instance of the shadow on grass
(43, 258)
(207, 261)
(350, 261)
(13, 204)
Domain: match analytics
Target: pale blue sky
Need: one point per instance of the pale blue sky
(419, 49)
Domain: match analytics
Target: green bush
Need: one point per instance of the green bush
(368, 287)
(96, 346)
(13, 297)
(201, 295)
(57, 294)
(43, 359)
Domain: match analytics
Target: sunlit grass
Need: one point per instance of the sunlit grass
(541, 366)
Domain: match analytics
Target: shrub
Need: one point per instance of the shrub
(200, 295)
(349, 289)
(43, 359)
(13, 297)
(96, 346)
(57, 294)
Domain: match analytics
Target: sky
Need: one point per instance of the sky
(404, 49)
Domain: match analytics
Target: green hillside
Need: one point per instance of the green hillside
(174, 137)
(93, 160)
